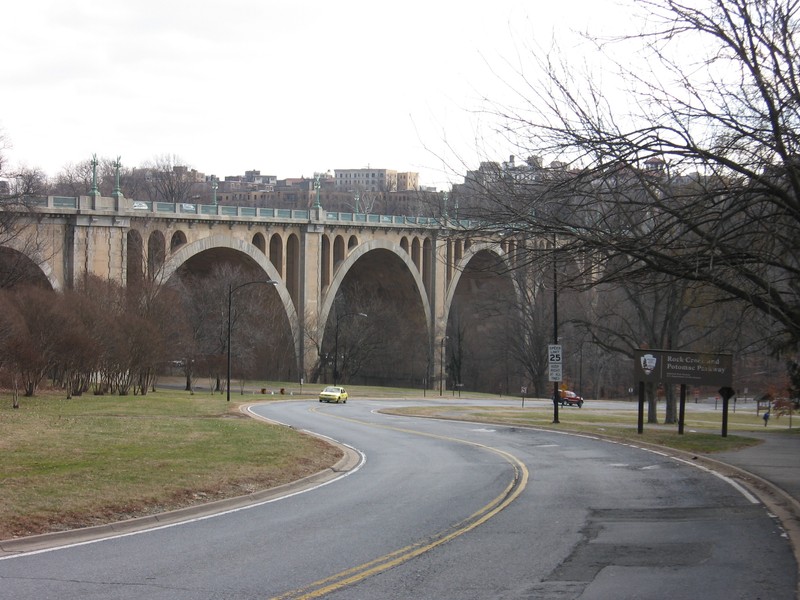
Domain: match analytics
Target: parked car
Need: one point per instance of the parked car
(333, 393)
(569, 398)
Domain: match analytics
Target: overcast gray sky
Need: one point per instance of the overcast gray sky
(288, 87)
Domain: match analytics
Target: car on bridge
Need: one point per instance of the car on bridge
(333, 393)
(569, 398)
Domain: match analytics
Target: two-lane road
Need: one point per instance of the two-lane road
(447, 510)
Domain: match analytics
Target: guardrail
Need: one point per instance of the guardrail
(144, 207)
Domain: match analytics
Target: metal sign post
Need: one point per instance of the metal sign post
(640, 423)
(727, 393)
(555, 374)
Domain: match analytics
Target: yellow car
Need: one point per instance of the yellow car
(333, 393)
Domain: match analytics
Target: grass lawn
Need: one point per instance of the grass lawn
(96, 459)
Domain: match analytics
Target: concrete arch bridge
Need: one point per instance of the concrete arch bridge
(424, 283)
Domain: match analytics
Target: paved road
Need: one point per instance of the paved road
(448, 510)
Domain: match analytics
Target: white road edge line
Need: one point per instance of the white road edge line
(752, 499)
(361, 463)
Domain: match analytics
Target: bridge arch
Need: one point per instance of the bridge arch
(32, 269)
(223, 241)
(387, 270)
(338, 251)
(475, 320)
(32, 255)
(292, 276)
(156, 252)
(276, 253)
(259, 242)
(359, 252)
(134, 265)
(177, 240)
(465, 255)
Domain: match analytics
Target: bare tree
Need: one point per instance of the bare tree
(658, 313)
(530, 314)
(260, 340)
(33, 349)
(18, 186)
(313, 332)
(11, 325)
(98, 305)
(168, 179)
(81, 341)
(349, 338)
(74, 179)
(364, 348)
(204, 302)
(163, 333)
(701, 183)
(368, 202)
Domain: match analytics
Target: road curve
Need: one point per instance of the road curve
(447, 510)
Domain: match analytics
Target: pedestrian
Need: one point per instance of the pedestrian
(766, 418)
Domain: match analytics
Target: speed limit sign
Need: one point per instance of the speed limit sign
(554, 353)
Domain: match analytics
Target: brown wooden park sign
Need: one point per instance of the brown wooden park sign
(671, 367)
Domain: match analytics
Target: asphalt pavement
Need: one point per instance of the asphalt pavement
(770, 469)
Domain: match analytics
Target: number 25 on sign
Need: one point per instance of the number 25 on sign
(554, 353)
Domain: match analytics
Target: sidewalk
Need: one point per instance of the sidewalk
(776, 460)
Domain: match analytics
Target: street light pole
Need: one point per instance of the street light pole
(336, 343)
(441, 366)
(230, 302)
(556, 394)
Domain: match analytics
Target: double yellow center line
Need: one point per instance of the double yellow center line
(354, 575)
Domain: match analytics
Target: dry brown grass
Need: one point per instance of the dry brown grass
(97, 459)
